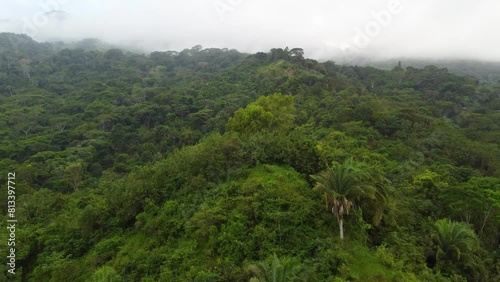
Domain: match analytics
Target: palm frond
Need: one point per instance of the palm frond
(454, 238)
(345, 184)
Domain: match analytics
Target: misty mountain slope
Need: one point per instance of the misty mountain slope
(482, 70)
(214, 165)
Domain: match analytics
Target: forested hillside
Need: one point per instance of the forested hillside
(214, 165)
(487, 72)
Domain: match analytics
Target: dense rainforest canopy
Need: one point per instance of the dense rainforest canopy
(213, 165)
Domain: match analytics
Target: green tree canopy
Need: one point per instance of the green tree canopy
(346, 184)
(275, 112)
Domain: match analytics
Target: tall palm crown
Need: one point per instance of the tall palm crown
(347, 183)
(454, 239)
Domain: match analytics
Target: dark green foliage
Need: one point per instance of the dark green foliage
(184, 166)
(454, 240)
(280, 270)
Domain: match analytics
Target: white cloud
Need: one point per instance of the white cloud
(422, 28)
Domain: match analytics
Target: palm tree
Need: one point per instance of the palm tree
(454, 239)
(347, 183)
(280, 270)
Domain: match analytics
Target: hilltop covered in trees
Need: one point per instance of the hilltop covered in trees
(213, 165)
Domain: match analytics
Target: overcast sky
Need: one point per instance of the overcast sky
(324, 28)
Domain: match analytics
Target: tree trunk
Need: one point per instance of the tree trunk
(341, 227)
(486, 216)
